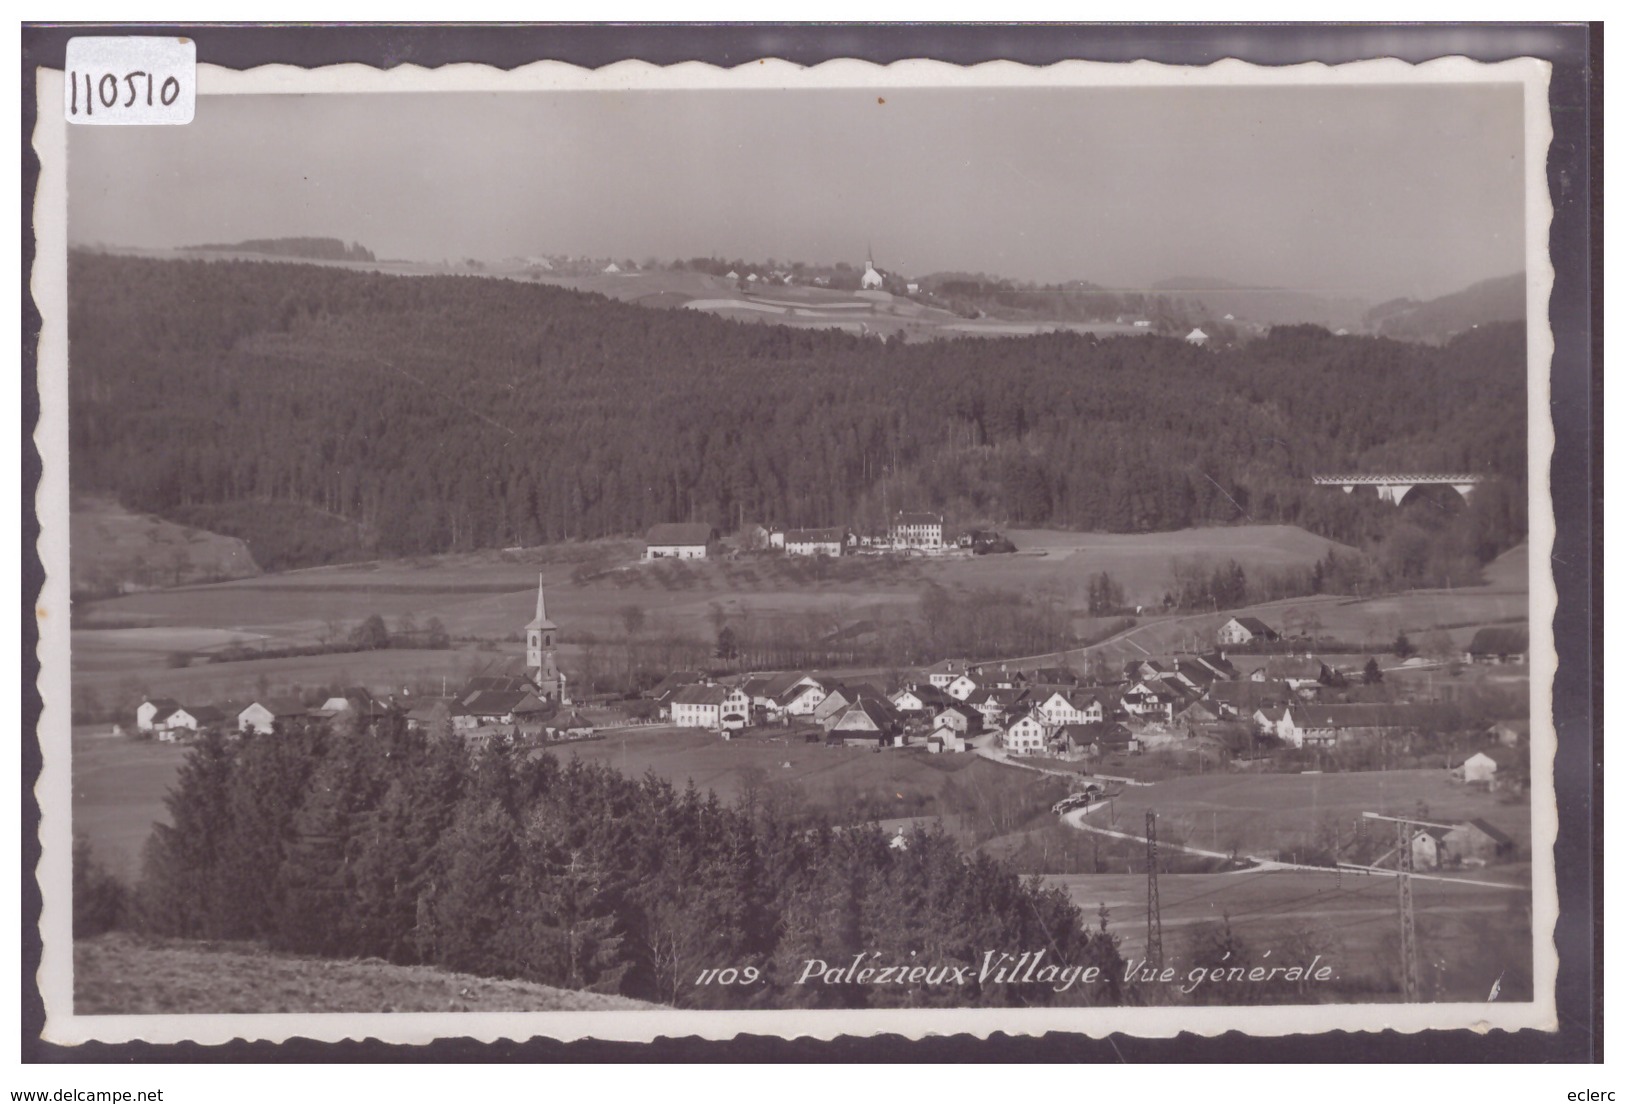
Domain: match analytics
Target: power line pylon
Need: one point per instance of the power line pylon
(1404, 866)
(1407, 914)
(1153, 903)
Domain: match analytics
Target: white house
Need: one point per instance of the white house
(1064, 709)
(917, 529)
(962, 687)
(814, 542)
(149, 711)
(712, 707)
(1025, 735)
(1196, 337)
(801, 700)
(679, 540)
(611, 268)
(956, 717)
(262, 714)
(1484, 766)
(1245, 630)
(871, 279)
(944, 737)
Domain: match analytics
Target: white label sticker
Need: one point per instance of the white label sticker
(132, 81)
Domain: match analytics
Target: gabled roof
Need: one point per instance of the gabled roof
(917, 517)
(277, 707)
(700, 695)
(1500, 640)
(794, 692)
(163, 706)
(1376, 715)
(1254, 625)
(497, 703)
(681, 533)
(814, 536)
(675, 681)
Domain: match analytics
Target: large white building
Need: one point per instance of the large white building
(679, 540)
(711, 707)
(917, 529)
(814, 542)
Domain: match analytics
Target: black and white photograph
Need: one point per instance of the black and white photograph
(841, 549)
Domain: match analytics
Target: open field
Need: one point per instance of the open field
(1468, 935)
(119, 974)
(118, 794)
(1263, 815)
(904, 779)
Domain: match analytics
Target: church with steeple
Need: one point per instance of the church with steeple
(541, 666)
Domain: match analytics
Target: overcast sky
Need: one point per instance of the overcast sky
(1379, 192)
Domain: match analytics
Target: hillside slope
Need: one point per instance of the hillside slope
(1485, 303)
(120, 974)
(443, 413)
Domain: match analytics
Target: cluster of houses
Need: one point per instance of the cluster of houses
(910, 532)
(485, 706)
(1180, 702)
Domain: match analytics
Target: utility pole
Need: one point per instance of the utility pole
(1153, 903)
(1405, 865)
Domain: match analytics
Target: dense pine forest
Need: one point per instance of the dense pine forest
(502, 862)
(411, 415)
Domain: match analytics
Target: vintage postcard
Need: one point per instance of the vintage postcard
(799, 551)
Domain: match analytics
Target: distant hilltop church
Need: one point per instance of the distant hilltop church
(872, 279)
(541, 666)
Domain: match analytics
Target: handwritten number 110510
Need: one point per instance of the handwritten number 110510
(115, 90)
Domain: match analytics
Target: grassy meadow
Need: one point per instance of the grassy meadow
(120, 974)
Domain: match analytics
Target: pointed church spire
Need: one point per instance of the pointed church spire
(541, 621)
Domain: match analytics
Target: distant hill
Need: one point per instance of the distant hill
(1266, 306)
(315, 249)
(1497, 300)
(120, 974)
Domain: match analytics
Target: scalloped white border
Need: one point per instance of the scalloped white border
(51, 438)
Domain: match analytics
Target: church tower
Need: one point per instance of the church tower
(540, 664)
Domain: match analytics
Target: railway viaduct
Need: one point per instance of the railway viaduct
(1394, 488)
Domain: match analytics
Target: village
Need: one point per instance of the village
(1254, 702)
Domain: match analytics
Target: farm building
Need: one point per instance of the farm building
(918, 699)
(814, 542)
(867, 720)
(963, 687)
(1298, 672)
(262, 714)
(996, 703)
(1499, 644)
(917, 529)
(1268, 719)
(1245, 630)
(801, 700)
(1494, 766)
(713, 707)
(1196, 337)
(148, 712)
(1308, 725)
(943, 739)
(1475, 841)
(573, 726)
(961, 718)
(837, 698)
(679, 540)
(492, 707)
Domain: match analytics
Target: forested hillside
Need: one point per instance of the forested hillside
(442, 413)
